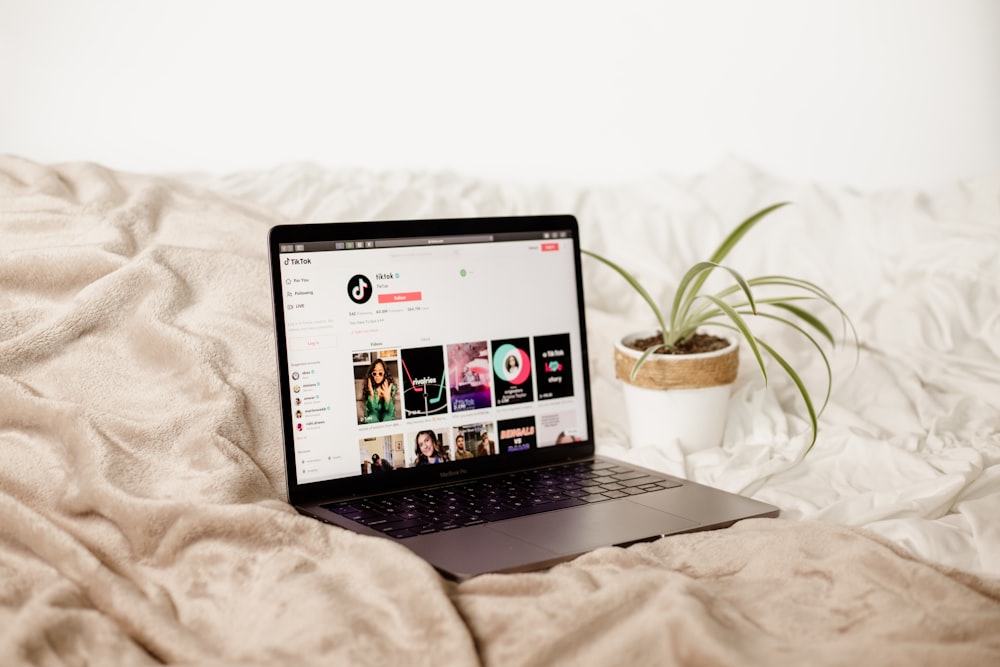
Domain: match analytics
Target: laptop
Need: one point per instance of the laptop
(435, 391)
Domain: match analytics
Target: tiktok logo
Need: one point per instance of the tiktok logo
(359, 288)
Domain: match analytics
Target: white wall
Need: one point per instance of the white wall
(869, 93)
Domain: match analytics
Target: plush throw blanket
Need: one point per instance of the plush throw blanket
(142, 518)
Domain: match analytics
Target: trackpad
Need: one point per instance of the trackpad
(580, 529)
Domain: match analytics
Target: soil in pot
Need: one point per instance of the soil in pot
(693, 344)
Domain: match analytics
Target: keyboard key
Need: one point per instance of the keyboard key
(473, 521)
(533, 509)
(398, 525)
(402, 533)
(641, 481)
(344, 508)
(374, 521)
(632, 474)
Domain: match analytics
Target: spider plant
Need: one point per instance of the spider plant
(774, 297)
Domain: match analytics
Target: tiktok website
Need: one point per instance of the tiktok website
(424, 353)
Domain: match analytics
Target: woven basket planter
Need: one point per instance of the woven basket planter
(682, 397)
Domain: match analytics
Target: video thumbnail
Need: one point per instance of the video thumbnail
(516, 435)
(469, 376)
(382, 454)
(558, 429)
(512, 371)
(426, 447)
(376, 386)
(424, 382)
(473, 441)
(553, 367)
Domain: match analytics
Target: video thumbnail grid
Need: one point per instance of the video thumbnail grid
(472, 378)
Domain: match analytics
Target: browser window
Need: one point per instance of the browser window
(423, 351)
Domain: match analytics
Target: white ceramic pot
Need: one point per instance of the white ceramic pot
(677, 396)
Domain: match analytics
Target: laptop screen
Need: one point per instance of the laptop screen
(408, 345)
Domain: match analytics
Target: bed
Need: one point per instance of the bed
(142, 511)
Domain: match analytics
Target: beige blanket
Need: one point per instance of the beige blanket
(142, 518)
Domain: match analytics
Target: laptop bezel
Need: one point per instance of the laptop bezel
(455, 471)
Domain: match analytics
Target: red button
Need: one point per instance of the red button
(399, 297)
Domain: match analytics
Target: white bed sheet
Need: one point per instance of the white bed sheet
(909, 445)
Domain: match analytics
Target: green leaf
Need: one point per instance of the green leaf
(807, 317)
(741, 325)
(642, 359)
(788, 281)
(822, 354)
(811, 288)
(679, 297)
(737, 234)
(803, 392)
(635, 285)
(805, 285)
(734, 237)
(680, 312)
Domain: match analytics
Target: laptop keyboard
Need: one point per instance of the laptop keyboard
(507, 496)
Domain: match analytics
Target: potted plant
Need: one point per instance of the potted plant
(677, 377)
